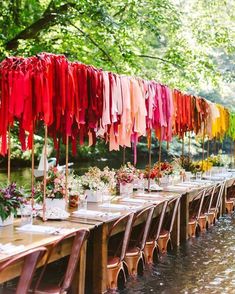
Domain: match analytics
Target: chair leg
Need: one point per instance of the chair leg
(148, 252)
(211, 218)
(202, 221)
(229, 206)
(192, 229)
(132, 264)
(162, 242)
(112, 277)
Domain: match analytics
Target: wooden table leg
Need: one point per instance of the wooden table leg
(184, 217)
(175, 235)
(100, 254)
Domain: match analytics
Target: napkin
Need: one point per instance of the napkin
(190, 185)
(176, 188)
(83, 213)
(115, 206)
(149, 195)
(44, 229)
(37, 229)
(135, 200)
(9, 248)
(215, 178)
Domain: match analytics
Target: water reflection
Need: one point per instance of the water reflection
(21, 176)
(203, 265)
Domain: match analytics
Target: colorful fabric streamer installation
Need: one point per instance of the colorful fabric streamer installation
(84, 103)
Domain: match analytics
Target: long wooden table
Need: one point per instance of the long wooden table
(96, 251)
(9, 234)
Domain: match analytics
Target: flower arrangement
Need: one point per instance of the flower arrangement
(98, 180)
(74, 185)
(108, 178)
(157, 171)
(201, 166)
(126, 174)
(55, 186)
(219, 160)
(11, 199)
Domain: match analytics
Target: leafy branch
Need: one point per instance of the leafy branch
(161, 59)
(86, 35)
(48, 18)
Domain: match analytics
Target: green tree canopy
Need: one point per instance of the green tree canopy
(187, 44)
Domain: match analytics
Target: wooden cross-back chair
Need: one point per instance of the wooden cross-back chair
(230, 199)
(43, 286)
(29, 260)
(205, 218)
(216, 200)
(164, 238)
(117, 247)
(135, 253)
(151, 249)
(194, 211)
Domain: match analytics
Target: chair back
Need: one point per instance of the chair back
(30, 260)
(121, 244)
(217, 196)
(141, 227)
(171, 210)
(208, 196)
(79, 237)
(195, 204)
(157, 222)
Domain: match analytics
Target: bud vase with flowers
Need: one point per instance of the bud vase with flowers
(11, 199)
(125, 178)
(55, 189)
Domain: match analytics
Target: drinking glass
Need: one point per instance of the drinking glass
(26, 214)
(140, 185)
(82, 202)
(198, 176)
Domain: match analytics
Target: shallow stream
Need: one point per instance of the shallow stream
(204, 265)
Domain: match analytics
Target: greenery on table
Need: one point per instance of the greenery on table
(11, 197)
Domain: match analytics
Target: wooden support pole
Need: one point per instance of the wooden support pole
(234, 154)
(66, 169)
(231, 152)
(214, 146)
(189, 144)
(32, 172)
(44, 176)
(182, 155)
(9, 156)
(208, 152)
(160, 155)
(150, 158)
(124, 155)
(203, 146)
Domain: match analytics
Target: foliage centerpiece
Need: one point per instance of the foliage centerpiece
(125, 178)
(98, 180)
(126, 174)
(11, 199)
(158, 170)
(55, 186)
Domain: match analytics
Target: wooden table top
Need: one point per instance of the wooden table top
(9, 234)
